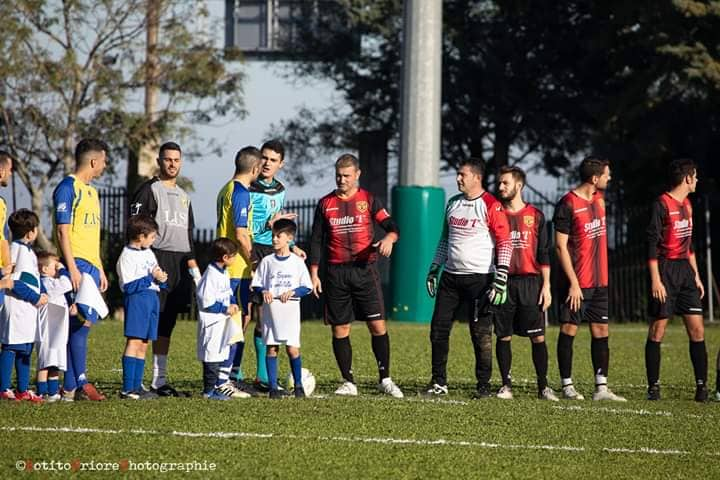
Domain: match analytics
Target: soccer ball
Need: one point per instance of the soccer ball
(308, 381)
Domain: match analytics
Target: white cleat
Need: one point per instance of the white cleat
(505, 392)
(717, 396)
(347, 389)
(548, 394)
(229, 390)
(388, 387)
(570, 393)
(604, 393)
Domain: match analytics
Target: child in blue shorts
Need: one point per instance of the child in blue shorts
(140, 280)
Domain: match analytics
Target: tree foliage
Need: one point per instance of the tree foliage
(75, 68)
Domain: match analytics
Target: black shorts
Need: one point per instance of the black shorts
(178, 296)
(593, 309)
(521, 314)
(353, 292)
(457, 296)
(259, 251)
(683, 296)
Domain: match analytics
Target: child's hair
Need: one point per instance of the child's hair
(45, 258)
(284, 225)
(222, 246)
(21, 222)
(140, 225)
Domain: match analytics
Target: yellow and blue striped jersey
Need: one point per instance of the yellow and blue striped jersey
(77, 204)
(234, 210)
(4, 232)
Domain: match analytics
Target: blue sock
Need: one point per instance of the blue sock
(260, 353)
(53, 386)
(78, 347)
(296, 368)
(128, 377)
(7, 360)
(272, 371)
(139, 373)
(42, 388)
(236, 372)
(22, 367)
(69, 379)
(226, 366)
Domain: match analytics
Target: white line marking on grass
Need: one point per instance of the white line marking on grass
(652, 451)
(630, 411)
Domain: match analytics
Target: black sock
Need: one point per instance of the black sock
(565, 354)
(381, 349)
(481, 336)
(503, 351)
(652, 362)
(698, 356)
(343, 355)
(540, 360)
(600, 353)
(717, 367)
(211, 371)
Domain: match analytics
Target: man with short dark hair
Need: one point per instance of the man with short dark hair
(676, 288)
(77, 221)
(343, 233)
(581, 246)
(528, 284)
(234, 221)
(475, 251)
(164, 200)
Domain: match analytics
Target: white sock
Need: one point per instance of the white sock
(601, 382)
(566, 382)
(159, 371)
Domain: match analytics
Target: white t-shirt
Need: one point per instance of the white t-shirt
(134, 264)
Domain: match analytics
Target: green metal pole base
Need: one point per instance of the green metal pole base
(419, 212)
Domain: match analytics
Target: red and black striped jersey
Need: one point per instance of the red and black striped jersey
(345, 228)
(529, 240)
(584, 223)
(670, 229)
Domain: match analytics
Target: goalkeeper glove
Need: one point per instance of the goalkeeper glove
(498, 292)
(195, 274)
(431, 282)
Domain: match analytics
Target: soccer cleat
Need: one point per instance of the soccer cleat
(129, 396)
(166, 390)
(8, 395)
(347, 389)
(68, 395)
(299, 392)
(570, 393)
(216, 395)
(483, 391)
(435, 390)
(275, 394)
(147, 395)
(653, 392)
(505, 392)
(548, 394)
(29, 396)
(229, 389)
(604, 393)
(53, 398)
(701, 393)
(92, 393)
(389, 387)
(260, 386)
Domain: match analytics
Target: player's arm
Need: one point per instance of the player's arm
(654, 236)
(392, 232)
(63, 199)
(143, 201)
(698, 282)
(431, 281)
(500, 230)
(193, 268)
(319, 233)
(240, 205)
(543, 259)
(563, 224)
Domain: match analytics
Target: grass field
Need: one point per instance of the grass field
(373, 436)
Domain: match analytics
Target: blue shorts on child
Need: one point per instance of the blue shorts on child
(142, 311)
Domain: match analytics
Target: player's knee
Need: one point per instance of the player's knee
(656, 332)
(377, 327)
(505, 339)
(538, 339)
(341, 331)
(569, 329)
(293, 352)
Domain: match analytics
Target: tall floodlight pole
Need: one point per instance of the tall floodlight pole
(418, 202)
